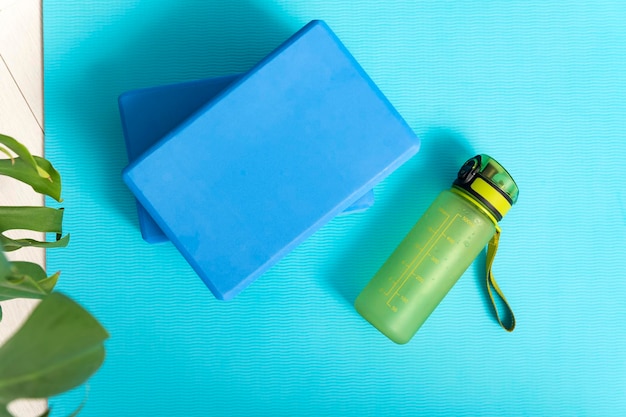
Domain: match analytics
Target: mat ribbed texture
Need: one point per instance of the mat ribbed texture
(540, 88)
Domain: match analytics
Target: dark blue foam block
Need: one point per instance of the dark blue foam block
(148, 114)
(275, 156)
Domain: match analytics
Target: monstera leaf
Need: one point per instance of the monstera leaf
(43, 178)
(32, 170)
(24, 279)
(58, 348)
(61, 344)
(38, 219)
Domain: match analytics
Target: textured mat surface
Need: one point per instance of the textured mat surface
(541, 88)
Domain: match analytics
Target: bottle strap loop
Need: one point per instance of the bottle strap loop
(492, 284)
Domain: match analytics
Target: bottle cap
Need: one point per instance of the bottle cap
(484, 179)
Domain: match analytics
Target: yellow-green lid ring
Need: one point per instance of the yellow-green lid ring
(485, 180)
(496, 213)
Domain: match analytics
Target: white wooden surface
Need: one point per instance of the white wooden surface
(21, 116)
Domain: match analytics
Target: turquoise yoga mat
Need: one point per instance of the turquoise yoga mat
(540, 87)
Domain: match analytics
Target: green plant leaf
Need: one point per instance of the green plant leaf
(5, 269)
(26, 280)
(6, 152)
(4, 412)
(5, 266)
(20, 150)
(21, 170)
(9, 245)
(39, 219)
(57, 349)
(33, 170)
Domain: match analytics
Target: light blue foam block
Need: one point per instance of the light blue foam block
(150, 113)
(279, 153)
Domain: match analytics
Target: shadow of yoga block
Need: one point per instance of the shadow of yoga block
(276, 155)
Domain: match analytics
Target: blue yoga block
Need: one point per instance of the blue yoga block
(276, 155)
(148, 114)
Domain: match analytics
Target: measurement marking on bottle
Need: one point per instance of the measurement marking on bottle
(424, 253)
(407, 266)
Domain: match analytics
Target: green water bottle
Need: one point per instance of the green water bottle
(438, 249)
